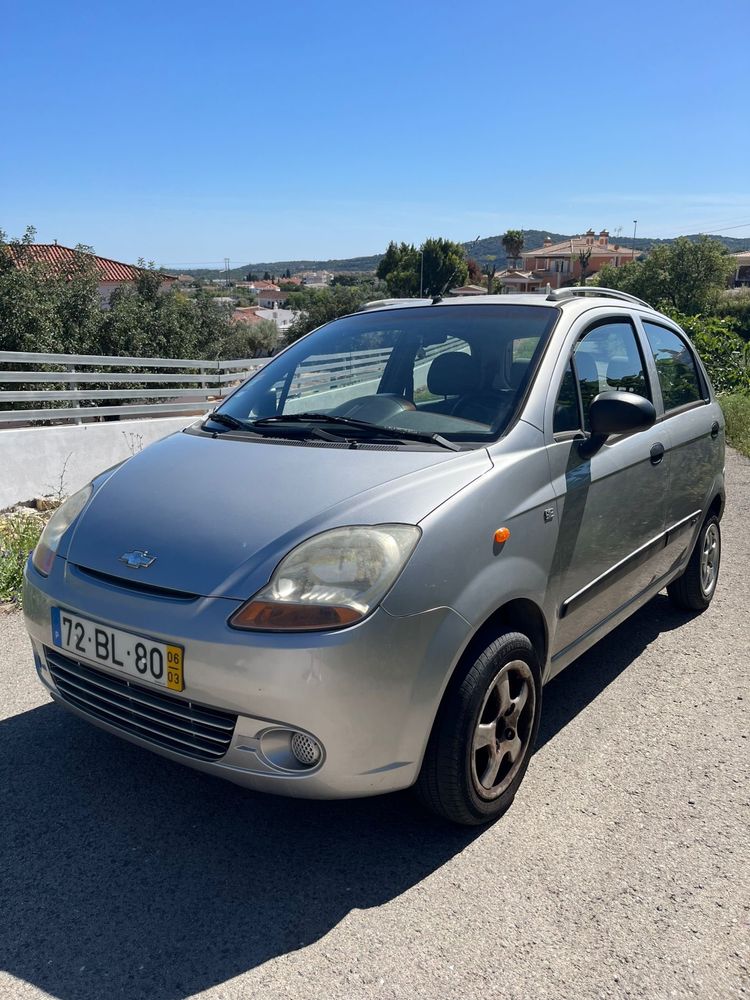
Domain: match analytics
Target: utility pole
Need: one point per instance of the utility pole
(226, 271)
(635, 226)
(421, 274)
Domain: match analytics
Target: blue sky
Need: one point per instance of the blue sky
(188, 132)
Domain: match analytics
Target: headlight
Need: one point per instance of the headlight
(334, 579)
(58, 524)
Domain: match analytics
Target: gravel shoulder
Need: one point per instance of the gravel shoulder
(622, 870)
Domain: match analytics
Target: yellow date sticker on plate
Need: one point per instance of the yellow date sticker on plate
(175, 680)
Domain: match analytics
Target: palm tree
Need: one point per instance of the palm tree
(513, 243)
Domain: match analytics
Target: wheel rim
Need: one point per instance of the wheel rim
(710, 559)
(503, 730)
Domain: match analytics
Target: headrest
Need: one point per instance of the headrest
(453, 374)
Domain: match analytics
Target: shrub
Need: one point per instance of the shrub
(724, 353)
(19, 533)
(736, 409)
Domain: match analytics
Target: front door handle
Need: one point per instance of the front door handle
(657, 453)
(715, 429)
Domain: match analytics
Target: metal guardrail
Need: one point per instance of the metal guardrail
(184, 385)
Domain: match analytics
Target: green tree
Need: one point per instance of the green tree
(685, 275)
(43, 306)
(436, 266)
(400, 269)
(248, 340)
(319, 306)
(444, 266)
(513, 244)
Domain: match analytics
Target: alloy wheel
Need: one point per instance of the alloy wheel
(503, 729)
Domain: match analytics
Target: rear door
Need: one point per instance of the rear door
(692, 430)
(612, 504)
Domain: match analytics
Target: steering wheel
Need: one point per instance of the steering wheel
(374, 408)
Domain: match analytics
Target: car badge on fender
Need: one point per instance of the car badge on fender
(137, 559)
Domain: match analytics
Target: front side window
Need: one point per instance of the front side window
(678, 375)
(456, 371)
(608, 357)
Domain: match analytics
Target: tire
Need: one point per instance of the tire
(456, 780)
(695, 588)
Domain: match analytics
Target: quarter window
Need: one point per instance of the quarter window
(567, 416)
(678, 376)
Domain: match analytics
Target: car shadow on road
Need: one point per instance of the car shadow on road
(575, 688)
(127, 875)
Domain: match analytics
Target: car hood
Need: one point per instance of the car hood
(219, 513)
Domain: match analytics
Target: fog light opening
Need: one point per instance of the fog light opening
(306, 749)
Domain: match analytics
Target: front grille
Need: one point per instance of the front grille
(162, 719)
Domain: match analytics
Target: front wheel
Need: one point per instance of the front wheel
(697, 585)
(484, 734)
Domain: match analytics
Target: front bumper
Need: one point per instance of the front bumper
(368, 694)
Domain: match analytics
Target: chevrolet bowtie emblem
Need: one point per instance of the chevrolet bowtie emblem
(137, 559)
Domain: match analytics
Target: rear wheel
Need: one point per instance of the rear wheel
(483, 737)
(697, 585)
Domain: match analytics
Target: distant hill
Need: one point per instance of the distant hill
(487, 250)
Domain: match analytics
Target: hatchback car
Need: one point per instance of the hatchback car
(356, 573)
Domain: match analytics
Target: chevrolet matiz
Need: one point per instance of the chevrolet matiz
(356, 574)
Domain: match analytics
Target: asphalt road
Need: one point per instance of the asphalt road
(622, 870)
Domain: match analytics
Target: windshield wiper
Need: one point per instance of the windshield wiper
(257, 426)
(228, 421)
(365, 425)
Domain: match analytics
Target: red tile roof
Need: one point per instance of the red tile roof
(60, 257)
(574, 245)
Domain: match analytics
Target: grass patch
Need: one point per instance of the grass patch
(19, 533)
(736, 409)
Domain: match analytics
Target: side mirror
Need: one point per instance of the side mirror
(617, 412)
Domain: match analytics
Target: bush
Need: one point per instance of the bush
(19, 533)
(735, 305)
(736, 409)
(724, 353)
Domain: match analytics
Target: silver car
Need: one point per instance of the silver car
(356, 574)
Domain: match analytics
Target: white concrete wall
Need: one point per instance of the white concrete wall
(32, 459)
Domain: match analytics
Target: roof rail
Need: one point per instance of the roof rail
(582, 291)
(381, 303)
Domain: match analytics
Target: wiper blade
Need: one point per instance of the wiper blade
(365, 425)
(228, 420)
(258, 426)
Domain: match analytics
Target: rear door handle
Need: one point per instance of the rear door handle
(657, 453)
(715, 429)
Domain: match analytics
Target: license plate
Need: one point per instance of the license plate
(143, 658)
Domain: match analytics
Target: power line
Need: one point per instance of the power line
(709, 229)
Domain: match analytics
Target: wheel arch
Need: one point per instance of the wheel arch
(717, 506)
(517, 615)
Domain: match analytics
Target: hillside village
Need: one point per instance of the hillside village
(255, 310)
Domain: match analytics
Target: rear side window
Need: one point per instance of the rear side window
(678, 375)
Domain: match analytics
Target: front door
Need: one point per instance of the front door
(611, 503)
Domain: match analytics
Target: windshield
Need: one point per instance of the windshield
(458, 372)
